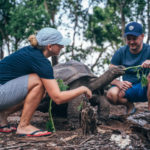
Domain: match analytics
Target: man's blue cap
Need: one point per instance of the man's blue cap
(133, 28)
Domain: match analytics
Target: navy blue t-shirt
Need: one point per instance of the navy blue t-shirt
(124, 57)
(25, 61)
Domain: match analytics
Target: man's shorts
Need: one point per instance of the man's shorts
(13, 92)
(136, 93)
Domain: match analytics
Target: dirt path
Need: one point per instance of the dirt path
(116, 134)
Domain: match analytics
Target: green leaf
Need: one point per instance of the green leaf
(80, 106)
(50, 124)
(144, 80)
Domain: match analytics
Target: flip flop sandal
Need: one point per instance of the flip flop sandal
(7, 129)
(133, 111)
(33, 134)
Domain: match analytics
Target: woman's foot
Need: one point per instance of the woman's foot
(4, 126)
(30, 130)
(7, 128)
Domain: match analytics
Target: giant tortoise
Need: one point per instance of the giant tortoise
(75, 74)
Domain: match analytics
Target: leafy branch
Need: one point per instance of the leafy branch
(134, 67)
(50, 124)
(80, 106)
(142, 76)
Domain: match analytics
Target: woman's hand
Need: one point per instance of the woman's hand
(88, 92)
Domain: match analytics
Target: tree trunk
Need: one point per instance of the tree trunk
(54, 60)
(148, 16)
(122, 22)
(1, 53)
(88, 118)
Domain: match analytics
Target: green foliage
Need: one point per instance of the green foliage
(144, 80)
(50, 124)
(26, 18)
(80, 106)
(101, 24)
(5, 7)
(62, 86)
(141, 76)
(136, 68)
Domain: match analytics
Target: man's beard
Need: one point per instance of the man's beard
(134, 47)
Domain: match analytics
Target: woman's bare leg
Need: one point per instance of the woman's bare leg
(5, 113)
(31, 102)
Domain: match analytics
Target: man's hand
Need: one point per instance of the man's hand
(124, 85)
(146, 64)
